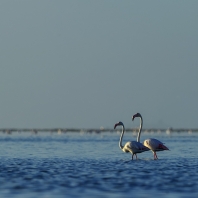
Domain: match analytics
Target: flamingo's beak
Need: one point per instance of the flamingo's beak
(115, 126)
(135, 115)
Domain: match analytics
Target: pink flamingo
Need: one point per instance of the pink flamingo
(153, 144)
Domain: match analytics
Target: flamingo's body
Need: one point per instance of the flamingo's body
(133, 147)
(153, 144)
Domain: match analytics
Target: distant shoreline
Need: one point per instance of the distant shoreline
(92, 130)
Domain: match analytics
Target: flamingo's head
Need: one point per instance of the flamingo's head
(118, 124)
(136, 115)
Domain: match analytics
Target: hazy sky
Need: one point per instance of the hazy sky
(74, 63)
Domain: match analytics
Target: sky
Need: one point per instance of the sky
(87, 64)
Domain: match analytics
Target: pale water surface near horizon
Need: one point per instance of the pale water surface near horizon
(92, 165)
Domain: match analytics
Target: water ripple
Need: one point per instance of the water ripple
(51, 168)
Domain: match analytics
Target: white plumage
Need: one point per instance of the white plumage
(133, 147)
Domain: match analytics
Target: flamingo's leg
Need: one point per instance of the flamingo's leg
(156, 155)
(132, 156)
(136, 156)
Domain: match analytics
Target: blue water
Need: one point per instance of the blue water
(92, 165)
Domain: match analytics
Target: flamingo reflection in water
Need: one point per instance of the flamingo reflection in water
(133, 147)
(153, 144)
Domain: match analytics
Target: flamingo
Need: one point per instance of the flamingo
(153, 144)
(133, 147)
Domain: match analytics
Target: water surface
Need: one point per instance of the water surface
(87, 165)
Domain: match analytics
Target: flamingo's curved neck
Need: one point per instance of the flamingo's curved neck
(121, 136)
(141, 124)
